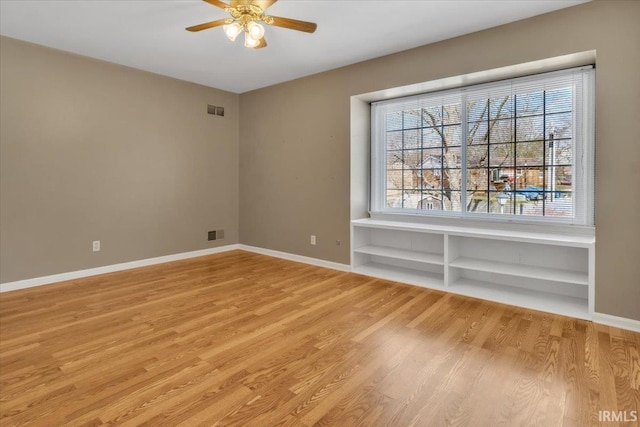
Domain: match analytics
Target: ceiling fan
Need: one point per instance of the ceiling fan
(245, 16)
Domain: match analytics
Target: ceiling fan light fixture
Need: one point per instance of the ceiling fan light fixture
(233, 30)
(255, 30)
(249, 41)
(248, 16)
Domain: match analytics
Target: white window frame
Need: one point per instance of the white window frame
(583, 186)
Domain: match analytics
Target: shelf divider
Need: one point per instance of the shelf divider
(400, 274)
(529, 271)
(405, 254)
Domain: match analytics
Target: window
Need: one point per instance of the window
(520, 148)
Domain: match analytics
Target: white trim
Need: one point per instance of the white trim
(617, 322)
(297, 258)
(571, 60)
(45, 280)
(601, 318)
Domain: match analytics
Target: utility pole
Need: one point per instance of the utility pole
(552, 161)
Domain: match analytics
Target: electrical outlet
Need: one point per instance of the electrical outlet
(96, 246)
(313, 239)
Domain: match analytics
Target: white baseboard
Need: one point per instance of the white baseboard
(604, 319)
(298, 258)
(617, 322)
(45, 280)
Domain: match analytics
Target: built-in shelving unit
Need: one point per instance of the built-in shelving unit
(416, 258)
(542, 271)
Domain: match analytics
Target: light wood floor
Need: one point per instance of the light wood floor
(244, 339)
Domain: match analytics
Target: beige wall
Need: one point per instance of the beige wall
(295, 137)
(95, 151)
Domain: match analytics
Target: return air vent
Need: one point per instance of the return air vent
(216, 235)
(215, 110)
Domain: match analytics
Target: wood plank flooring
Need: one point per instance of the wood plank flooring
(244, 339)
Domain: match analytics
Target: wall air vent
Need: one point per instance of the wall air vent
(215, 235)
(215, 110)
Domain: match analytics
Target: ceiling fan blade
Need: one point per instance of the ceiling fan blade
(207, 25)
(263, 43)
(264, 4)
(293, 24)
(217, 3)
(236, 3)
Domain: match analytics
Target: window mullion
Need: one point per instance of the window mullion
(463, 150)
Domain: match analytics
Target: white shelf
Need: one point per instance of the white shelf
(400, 274)
(563, 239)
(533, 272)
(405, 254)
(527, 298)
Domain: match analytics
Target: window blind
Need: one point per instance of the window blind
(519, 149)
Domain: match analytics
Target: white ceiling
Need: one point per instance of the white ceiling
(150, 35)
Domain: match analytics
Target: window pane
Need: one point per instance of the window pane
(501, 107)
(532, 207)
(477, 111)
(529, 154)
(564, 178)
(477, 155)
(453, 157)
(558, 178)
(451, 114)
(394, 179)
(558, 204)
(501, 202)
(431, 201)
(478, 179)
(394, 140)
(530, 182)
(502, 155)
(398, 179)
(432, 158)
(501, 131)
(477, 201)
(560, 125)
(452, 179)
(394, 121)
(394, 160)
(432, 168)
(452, 135)
(559, 100)
(409, 200)
(530, 128)
(562, 152)
(452, 201)
(432, 116)
(411, 139)
(478, 133)
(411, 119)
(432, 179)
(412, 159)
(528, 104)
(394, 199)
(431, 137)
